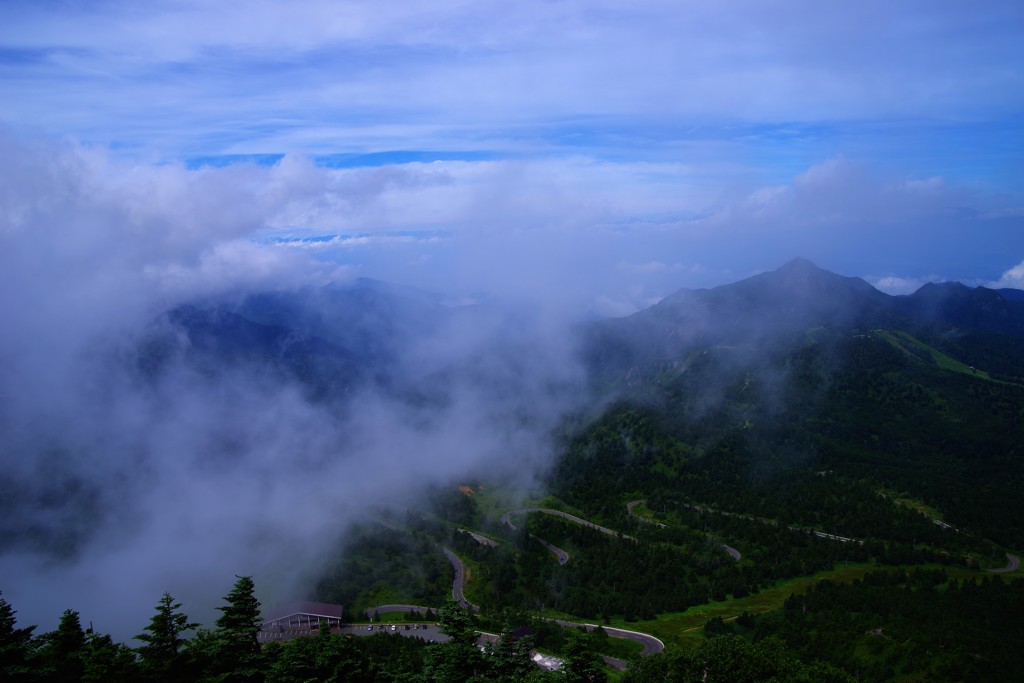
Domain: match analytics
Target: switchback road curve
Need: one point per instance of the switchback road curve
(562, 556)
(559, 554)
(735, 554)
(459, 581)
(1012, 565)
(771, 522)
(651, 645)
(457, 564)
(507, 519)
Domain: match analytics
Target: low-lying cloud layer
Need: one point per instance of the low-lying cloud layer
(123, 478)
(179, 479)
(568, 160)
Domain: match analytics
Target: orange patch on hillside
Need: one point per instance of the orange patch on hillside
(465, 489)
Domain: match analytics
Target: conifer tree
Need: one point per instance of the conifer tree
(581, 664)
(14, 645)
(109, 662)
(510, 656)
(162, 653)
(238, 648)
(62, 654)
(459, 659)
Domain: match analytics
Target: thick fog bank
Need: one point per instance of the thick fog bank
(135, 461)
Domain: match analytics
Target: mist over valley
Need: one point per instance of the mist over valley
(543, 341)
(246, 432)
(356, 441)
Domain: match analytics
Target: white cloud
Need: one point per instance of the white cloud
(839, 195)
(566, 229)
(1012, 278)
(241, 265)
(631, 140)
(194, 475)
(892, 284)
(317, 76)
(93, 247)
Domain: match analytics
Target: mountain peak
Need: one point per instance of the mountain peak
(977, 308)
(800, 264)
(801, 279)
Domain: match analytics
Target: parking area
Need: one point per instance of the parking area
(428, 632)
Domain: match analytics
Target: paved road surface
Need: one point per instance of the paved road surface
(632, 504)
(480, 538)
(736, 555)
(617, 664)
(560, 554)
(772, 522)
(507, 519)
(431, 633)
(733, 552)
(1013, 564)
(651, 644)
(459, 581)
(460, 572)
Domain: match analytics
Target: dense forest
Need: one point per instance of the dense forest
(916, 625)
(833, 496)
(920, 625)
(232, 651)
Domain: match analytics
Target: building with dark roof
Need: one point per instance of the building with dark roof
(298, 618)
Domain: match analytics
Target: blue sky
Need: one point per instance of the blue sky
(601, 152)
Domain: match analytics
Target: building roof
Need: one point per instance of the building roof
(313, 609)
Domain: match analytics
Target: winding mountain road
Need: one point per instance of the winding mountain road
(735, 554)
(771, 522)
(559, 554)
(651, 645)
(629, 509)
(562, 556)
(507, 519)
(1012, 565)
(459, 581)
(480, 538)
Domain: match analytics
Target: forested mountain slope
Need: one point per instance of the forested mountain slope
(731, 396)
(708, 451)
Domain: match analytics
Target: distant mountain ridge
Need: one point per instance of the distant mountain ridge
(345, 333)
(803, 370)
(769, 307)
(800, 293)
(333, 338)
(339, 337)
(974, 308)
